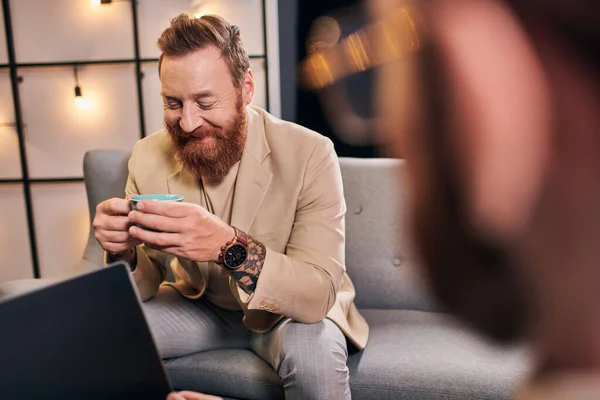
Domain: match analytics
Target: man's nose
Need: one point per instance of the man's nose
(190, 118)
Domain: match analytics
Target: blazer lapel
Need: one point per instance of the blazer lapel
(184, 183)
(254, 178)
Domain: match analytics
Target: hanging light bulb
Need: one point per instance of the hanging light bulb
(77, 87)
(80, 101)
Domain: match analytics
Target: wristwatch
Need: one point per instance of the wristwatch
(235, 252)
(113, 257)
(132, 261)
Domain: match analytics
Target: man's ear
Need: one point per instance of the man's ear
(248, 87)
(499, 104)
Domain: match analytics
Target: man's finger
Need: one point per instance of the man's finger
(115, 206)
(160, 239)
(114, 236)
(187, 395)
(166, 208)
(156, 222)
(113, 223)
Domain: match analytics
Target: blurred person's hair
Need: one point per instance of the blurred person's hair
(575, 22)
(187, 35)
(473, 276)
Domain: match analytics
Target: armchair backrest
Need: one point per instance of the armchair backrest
(105, 174)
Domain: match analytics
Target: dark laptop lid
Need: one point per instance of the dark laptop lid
(84, 338)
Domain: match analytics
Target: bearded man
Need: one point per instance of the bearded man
(257, 246)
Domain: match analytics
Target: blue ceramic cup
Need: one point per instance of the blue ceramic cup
(154, 197)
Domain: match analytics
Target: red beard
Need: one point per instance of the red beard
(215, 158)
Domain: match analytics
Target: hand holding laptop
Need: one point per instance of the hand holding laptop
(186, 395)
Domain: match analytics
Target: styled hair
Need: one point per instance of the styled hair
(186, 35)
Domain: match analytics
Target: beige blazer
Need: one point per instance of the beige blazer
(289, 196)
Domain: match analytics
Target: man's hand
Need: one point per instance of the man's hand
(183, 229)
(187, 395)
(111, 226)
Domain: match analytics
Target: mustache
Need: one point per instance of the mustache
(201, 132)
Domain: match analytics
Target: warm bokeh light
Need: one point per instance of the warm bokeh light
(84, 103)
(95, 3)
(203, 9)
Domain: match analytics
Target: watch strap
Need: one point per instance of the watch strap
(240, 236)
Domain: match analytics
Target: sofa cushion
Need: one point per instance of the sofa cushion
(422, 355)
(410, 355)
(234, 373)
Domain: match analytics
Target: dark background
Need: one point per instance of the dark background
(304, 107)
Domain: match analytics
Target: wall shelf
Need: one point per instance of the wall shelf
(96, 62)
(42, 180)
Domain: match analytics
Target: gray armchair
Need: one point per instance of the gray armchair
(105, 173)
(414, 351)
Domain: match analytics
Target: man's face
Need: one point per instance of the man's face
(204, 111)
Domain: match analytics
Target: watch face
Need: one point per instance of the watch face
(235, 256)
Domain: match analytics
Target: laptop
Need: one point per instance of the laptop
(83, 338)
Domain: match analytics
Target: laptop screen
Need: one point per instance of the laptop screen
(84, 338)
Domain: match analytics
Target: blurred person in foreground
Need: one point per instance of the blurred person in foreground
(496, 108)
(258, 242)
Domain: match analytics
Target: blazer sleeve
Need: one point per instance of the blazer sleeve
(303, 283)
(151, 266)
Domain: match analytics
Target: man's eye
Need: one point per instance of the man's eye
(206, 106)
(173, 105)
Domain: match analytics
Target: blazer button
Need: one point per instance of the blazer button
(397, 262)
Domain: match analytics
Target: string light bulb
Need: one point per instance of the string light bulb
(77, 87)
(97, 3)
(83, 103)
